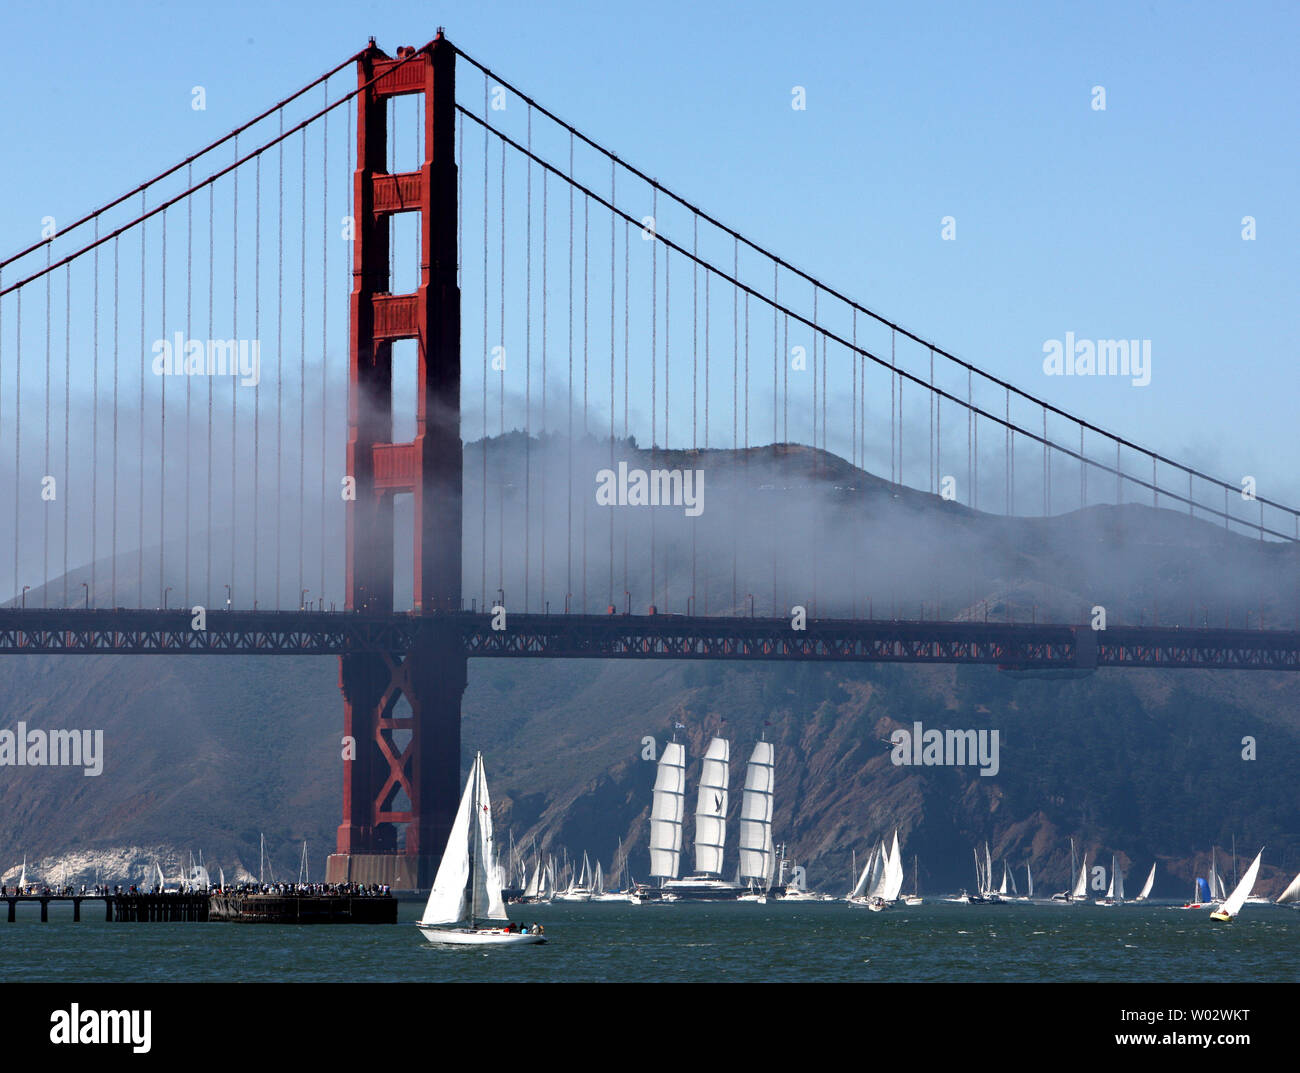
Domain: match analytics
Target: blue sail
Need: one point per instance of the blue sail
(1204, 888)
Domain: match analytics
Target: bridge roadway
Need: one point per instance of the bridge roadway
(1011, 646)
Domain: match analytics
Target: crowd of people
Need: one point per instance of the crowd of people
(355, 890)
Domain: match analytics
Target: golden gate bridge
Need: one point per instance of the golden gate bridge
(528, 315)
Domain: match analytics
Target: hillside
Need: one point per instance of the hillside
(208, 753)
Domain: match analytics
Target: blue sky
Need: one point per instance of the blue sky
(1122, 223)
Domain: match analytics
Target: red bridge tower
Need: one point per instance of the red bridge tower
(432, 676)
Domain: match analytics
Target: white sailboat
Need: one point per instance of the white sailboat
(1114, 892)
(1290, 896)
(467, 888)
(915, 897)
(1232, 904)
(580, 889)
(1146, 887)
(858, 895)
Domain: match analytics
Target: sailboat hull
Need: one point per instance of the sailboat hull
(478, 936)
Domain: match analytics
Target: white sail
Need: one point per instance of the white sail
(468, 883)
(162, 883)
(860, 888)
(1081, 884)
(22, 879)
(1146, 887)
(988, 867)
(1119, 881)
(1110, 890)
(1003, 889)
(1029, 878)
(447, 903)
(598, 883)
(488, 879)
(1233, 903)
(711, 808)
(666, 812)
(1291, 894)
(756, 814)
(893, 884)
(533, 886)
(879, 871)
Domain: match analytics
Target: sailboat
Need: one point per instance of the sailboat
(710, 830)
(578, 890)
(915, 897)
(1290, 896)
(22, 878)
(1115, 892)
(467, 888)
(1233, 903)
(1146, 887)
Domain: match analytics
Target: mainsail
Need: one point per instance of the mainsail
(1232, 905)
(711, 808)
(1146, 887)
(1081, 884)
(893, 883)
(666, 812)
(468, 883)
(860, 888)
(756, 855)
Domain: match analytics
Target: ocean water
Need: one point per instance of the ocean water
(778, 942)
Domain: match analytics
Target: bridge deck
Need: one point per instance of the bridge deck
(1027, 646)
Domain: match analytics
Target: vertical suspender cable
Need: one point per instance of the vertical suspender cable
(143, 350)
(324, 329)
(528, 357)
(279, 359)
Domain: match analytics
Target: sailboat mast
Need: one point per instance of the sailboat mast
(473, 863)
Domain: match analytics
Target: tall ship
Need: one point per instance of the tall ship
(666, 815)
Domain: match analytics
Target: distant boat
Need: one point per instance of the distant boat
(580, 888)
(467, 888)
(1079, 892)
(915, 897)
(1233, 903)
(1146, 887)
(1115, 892)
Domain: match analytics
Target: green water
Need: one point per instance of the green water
(701, 942)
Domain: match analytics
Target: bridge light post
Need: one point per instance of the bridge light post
(230, 596)
(627, 596)
(167, 590)
(751, 604)
(690, 600)
(25, 588)
(86, 585)
(566, 602)
(302, 599)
